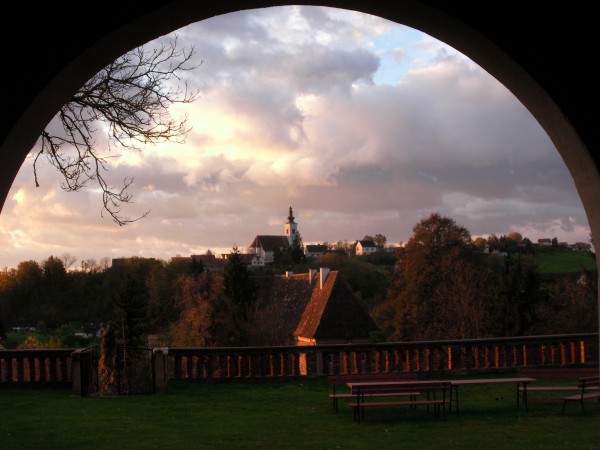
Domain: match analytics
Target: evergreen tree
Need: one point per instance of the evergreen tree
(240, 289)
(297, 250)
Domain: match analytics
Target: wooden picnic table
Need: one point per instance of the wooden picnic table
(518, 381)
(411, 389)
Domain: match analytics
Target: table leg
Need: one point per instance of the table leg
(456, 391)
(524, 397)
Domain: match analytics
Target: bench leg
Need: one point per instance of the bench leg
(524, 396)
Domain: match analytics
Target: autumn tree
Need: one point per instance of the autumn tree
(129, 99)
(480, 243)
(515, 236)
(425, 292)
(203, 315)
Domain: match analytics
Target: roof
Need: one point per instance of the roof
(290, 294)
(367, 243)
(270, 243)
(333, 312)
(316, 248)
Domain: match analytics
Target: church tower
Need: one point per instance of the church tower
(291, 228)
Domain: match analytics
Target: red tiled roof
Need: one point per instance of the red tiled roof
(334, 313)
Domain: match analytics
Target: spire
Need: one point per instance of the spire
(291, 228)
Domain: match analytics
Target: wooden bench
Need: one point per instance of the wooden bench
(553, 372)
(342, 380)
(436, 394)
(588, 390)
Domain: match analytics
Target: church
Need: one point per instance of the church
(264, 247)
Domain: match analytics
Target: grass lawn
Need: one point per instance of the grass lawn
(557, 260)
(287, 415)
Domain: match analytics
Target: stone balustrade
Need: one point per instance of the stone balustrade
(65, 367)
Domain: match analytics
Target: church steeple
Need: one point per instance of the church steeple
(291, 228)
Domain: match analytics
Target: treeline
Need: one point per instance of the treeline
(444, 287)
(439, 285)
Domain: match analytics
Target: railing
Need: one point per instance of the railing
(64, 366)
(49, 367)
(470, 355)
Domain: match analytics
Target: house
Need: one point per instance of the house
(365, 247)
(545, 242)
(265, 247)
(315, 250)
(319, 307)
(581, 247)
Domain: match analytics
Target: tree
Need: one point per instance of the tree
(493, 242)
(68, 260)
(297, 250)
(515, 236)
(480, 243)
(129, 98)
(380, 240)
(508, 244)
(419, 303)
(518, 294)
(527, 246)
(240, 290)
(202, 311)
(27, 292)
(131, 294)
(571, 305)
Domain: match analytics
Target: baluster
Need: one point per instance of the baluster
(52, 368)
(20, 371)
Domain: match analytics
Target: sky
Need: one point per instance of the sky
(362, 125)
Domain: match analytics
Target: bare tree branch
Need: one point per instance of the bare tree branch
(130, 98)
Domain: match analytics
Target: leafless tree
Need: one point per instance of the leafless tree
(68, 260)
(129, 98)
(104, 263)
(89, 265)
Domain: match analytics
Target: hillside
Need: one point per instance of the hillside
(560, 260)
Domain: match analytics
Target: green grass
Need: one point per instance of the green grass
(287, 415)
(557, 260)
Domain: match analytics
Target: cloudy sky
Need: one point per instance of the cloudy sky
(362, 125)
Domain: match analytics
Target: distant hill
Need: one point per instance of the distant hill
(562, 260)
